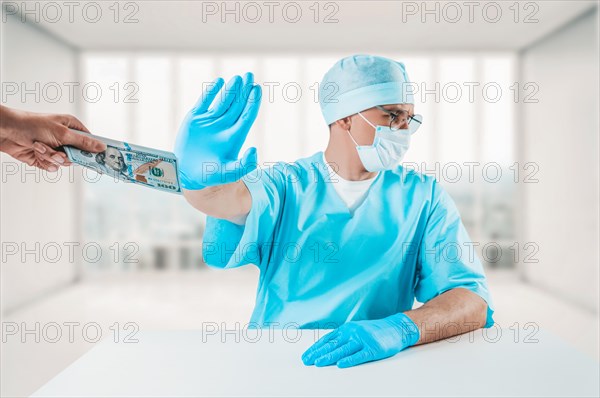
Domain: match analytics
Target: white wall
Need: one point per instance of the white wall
(33, 211)
(560, 133)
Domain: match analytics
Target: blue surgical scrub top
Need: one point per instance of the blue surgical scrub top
(321, 266)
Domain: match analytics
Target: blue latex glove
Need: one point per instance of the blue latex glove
(358, 342)
(213, 132)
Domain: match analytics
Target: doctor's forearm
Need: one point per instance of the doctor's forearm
(454, 312)
(227, 201)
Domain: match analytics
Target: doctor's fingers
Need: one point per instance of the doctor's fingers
(346, 350)
(244, 123)
(357, 358)
(308, 354)
(252, 105)
(227, 95)
(323, 349)
(208, 96)
(240, 100)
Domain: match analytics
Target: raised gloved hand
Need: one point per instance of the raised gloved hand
(358, 342)
(213, 132)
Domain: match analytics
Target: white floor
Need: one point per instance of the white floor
(172, 300)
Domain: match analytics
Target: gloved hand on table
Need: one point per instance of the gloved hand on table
(358, 342)
(211, 136)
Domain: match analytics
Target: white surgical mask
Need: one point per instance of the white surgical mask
(387, 150)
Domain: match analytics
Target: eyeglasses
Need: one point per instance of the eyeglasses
(400, 117)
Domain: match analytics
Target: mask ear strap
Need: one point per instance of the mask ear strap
(366, 120)
(352, 138)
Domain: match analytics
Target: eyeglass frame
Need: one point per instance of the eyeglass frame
(395, 115)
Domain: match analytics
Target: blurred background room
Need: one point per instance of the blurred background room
(510, 106)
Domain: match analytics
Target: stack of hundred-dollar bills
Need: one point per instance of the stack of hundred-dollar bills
(131, 163)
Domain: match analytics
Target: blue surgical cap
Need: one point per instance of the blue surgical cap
(360, 82)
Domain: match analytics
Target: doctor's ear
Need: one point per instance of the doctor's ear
(344, 123)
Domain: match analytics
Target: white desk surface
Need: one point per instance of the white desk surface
(180, 364)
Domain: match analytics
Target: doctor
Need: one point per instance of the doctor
(346, 238)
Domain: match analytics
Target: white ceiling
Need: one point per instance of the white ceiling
(362, 26)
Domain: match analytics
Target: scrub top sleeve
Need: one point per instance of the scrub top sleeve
(447, 257)
(229, 245)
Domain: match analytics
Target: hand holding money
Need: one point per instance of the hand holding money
(136, 164)
(32, 137)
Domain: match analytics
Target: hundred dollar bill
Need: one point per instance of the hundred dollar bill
(131, 163)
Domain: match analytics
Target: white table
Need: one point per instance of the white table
(180, 364)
